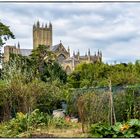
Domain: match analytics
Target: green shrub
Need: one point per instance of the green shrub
(14, 126)
(59, 123)
(127, 105)
(19, 123)
(130, 129)
(98, 130)
(37, 118)
(23, 122)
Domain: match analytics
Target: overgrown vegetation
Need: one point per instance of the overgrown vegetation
(98, 74)
(22, 123)
(130, 129)
(32, 87)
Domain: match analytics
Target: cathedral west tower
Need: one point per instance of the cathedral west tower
(42, 35)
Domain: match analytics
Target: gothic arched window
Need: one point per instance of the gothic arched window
(68, 70)
(61, 58)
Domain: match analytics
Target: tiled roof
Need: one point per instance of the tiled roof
(94, 58)
(71, 59)
(55, 47)
(83, 57)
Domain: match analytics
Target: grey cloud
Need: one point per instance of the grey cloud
(81, 26)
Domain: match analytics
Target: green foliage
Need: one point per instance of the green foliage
(23, 122)
(40, 82)
(15, 126)
(93, 108)
(17, 68)
(74, 79)
(59, 123)
(17, 96)
(0, 74)
(127, 105)
(19, 123)
(49, 95)
(87, 75)
(98, 130)
(37, 118)
(5, 34)
(24, 91)
(41, 65)
(130, 129)
(45, 66)
(94, 104)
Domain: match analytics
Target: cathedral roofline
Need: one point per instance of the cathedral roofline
(38, 25)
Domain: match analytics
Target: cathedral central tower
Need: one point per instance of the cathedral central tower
(42, 35)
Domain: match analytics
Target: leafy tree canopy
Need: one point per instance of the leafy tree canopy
(45, 65)
(87, 75)
(5, 33)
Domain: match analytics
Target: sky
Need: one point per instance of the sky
(113, 28)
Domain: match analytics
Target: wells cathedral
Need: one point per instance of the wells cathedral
(43, 35)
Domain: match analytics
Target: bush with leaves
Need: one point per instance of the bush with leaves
(130, 129)
(127, 105)
(23, 122)
(15, 126)
(19, 123)
(37, 118)
(97, 74)
(59, 123)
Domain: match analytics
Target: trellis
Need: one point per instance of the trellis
(112, 90)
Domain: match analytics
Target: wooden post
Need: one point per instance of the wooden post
(112, 111)
(0, 58)
(110, 94)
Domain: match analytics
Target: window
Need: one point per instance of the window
(68, 70)
(61, 58)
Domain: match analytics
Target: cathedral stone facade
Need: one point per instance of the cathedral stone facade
(42, 35)
(15, 49)
(10, 49)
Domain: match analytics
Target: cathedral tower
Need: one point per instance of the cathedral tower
(42, 35)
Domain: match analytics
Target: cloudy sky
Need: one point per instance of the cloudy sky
(113, 28)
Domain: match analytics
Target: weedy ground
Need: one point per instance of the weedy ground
(60, 133)
(74, 131)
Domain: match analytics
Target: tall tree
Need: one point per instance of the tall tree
(5, 34)
(40, 56)
(45, 65)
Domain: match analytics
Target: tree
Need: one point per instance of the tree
(87, 75)
(45, 65)
(41, 55)
(5, 34)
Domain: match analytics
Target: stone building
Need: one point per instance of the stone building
(70, 63)
(42, 35)
(9, 49)
(60, 52)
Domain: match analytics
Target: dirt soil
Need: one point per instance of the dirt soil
(60, 133)
(42, 135)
